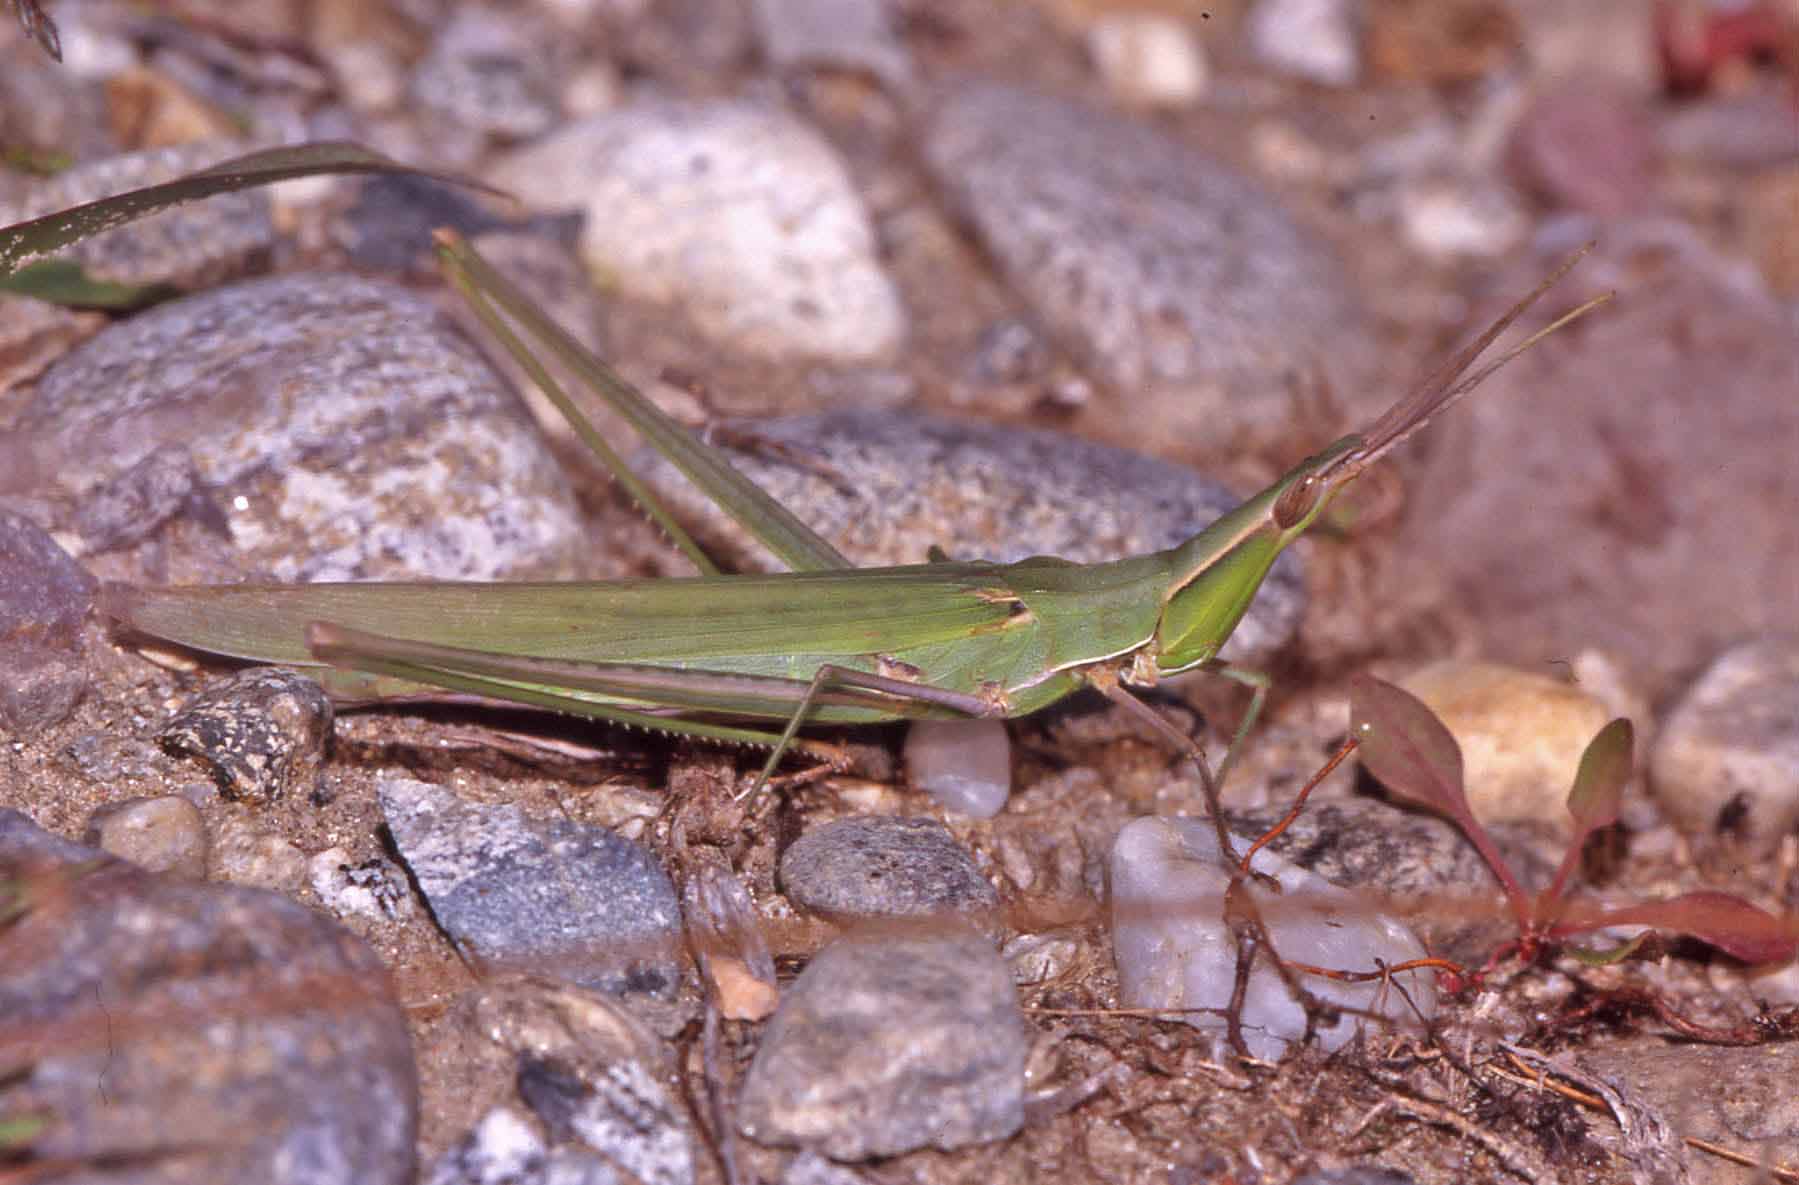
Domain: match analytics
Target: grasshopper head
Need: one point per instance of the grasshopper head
(1220, 569)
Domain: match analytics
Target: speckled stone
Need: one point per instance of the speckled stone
(342, 427)
(1180, 281)
(886, 486)
(151, 1012)
(262, 733)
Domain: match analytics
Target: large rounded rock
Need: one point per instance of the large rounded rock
(196, 1033)
(329, 427)
(1180, 281)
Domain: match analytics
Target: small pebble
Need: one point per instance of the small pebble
(1727, 759)
(44, 597)
(1317, 40)
(165, 834)
(483, 72)
(736, 212)
(1174, 950)
(882, 867)
(375, 889)
(262, 732)
(1521, 734)
(835, 34)
(1038, 958)
(249, 1031)
(1148, 59)
(888, 1042)
(966, 765)
(1447, 219)
(105, 758)
(245, 855)
(541, 893)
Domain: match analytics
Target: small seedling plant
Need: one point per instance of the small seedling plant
(1411, 752)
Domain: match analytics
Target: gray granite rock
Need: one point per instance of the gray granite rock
(736, 212)
(343, 429)
(883, 867)
(539, 893)
(891, 1041)
(1178, 280)
(262, 733)
(44, 597)
(242, 1028)
(886, 486)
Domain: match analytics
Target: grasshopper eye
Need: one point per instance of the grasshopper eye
(1295, 502)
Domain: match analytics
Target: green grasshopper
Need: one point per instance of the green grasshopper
(752, 658)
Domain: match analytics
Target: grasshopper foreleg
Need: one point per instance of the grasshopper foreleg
(1258, 683)
(1105, 679)
(830, 675)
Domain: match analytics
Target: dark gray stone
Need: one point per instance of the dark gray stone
(547, 894)
(263, 733)
(891, 1041)
(881, 867)
(253, 1035)
(44, 597)
(886, 486)
(1179, 281)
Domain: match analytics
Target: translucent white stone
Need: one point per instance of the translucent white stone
(966, 765)
(1174, 950)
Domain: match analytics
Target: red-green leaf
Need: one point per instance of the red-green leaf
(1729, 923)
(1406, 746)
(24, 241)
(1594, 802)
(1415, 756)
(1599, 785)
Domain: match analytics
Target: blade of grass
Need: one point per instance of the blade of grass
(23, 242)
